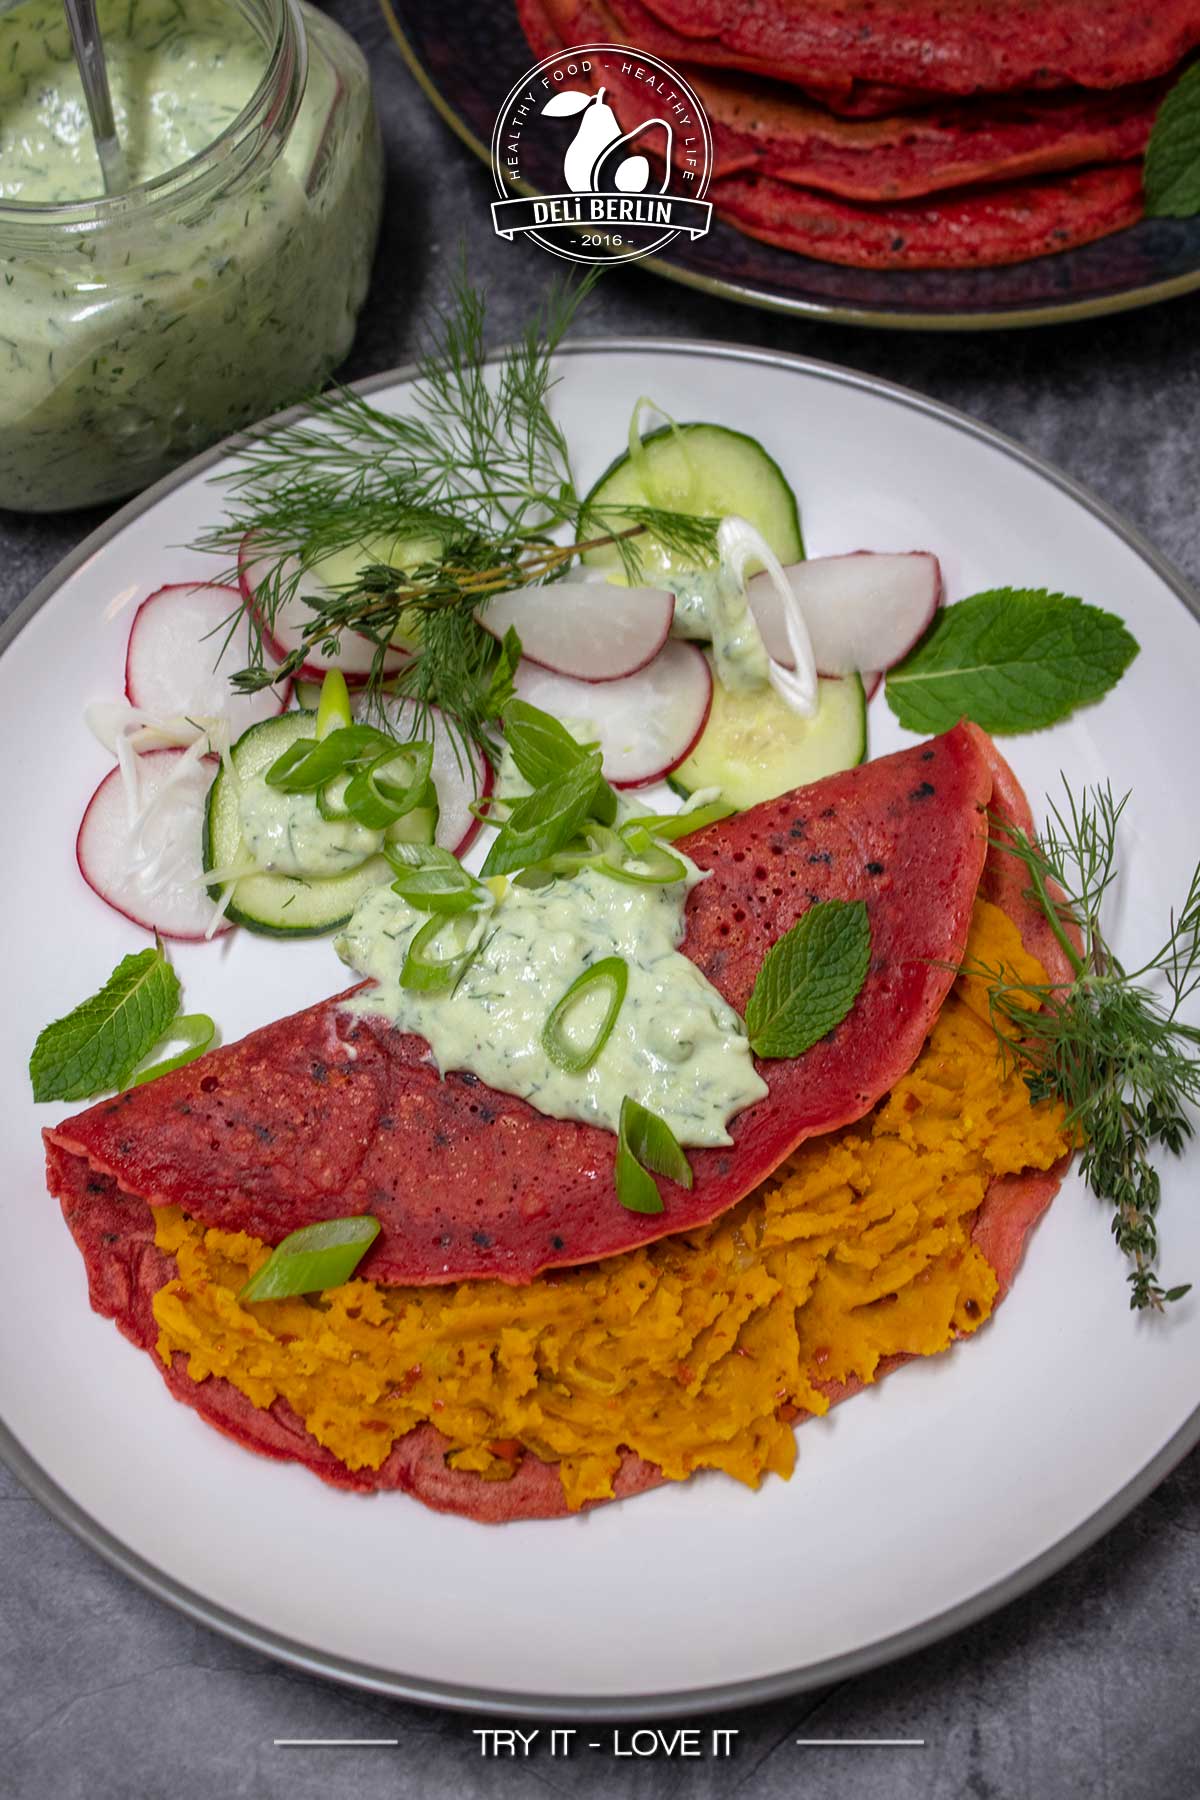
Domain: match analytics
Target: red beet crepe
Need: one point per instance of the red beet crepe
(329, 1113)
(969, 228)
(115, 1233)
(931, 46)
(761, 128)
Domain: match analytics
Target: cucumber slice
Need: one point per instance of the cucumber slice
(288, 905)
(754, 747)
(701, 469)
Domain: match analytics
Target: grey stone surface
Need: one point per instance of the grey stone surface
(1086, 1686)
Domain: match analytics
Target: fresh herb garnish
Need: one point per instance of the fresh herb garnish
(543, 749)
(475, 479)
(99, 1045)
(809, 979)
(611, 972)
(425, 972)
(1012, 659)
(1111, 1049)
(433, 880)
(313, 1259)
(195, 1031)
(645, 1142)
(546, 820)
(1171, 176)
(670, 826)
(632, 855)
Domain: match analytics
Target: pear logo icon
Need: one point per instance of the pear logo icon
(610, 152)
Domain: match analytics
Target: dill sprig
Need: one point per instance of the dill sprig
(467, 493)
(1110, 1044)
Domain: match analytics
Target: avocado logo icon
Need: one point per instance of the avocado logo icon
(612, 151)
(592, 153)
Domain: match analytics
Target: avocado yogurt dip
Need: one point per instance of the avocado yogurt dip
(137, 329)
(676, 1045)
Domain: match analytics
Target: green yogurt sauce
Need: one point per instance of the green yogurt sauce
(179, 71)
(711, 606)
(676, 1045)
(286, 834)
(182, 316)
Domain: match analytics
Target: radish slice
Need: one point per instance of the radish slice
(871, 679)
(286, 630)
(864, 611)
(458, 778)
(139, 843)
(645, 724)
(177, 643)
(588, 629)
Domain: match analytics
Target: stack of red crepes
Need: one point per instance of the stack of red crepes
(906, 133)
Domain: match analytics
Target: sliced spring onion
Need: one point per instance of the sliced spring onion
(546, 820)
(313, 1259)
(307, 765)
(195, 1031)
(331, 799)
(333, 708)
(633, 856)
(637, 1191)
(378, 800)
(433, 880)
(651, 1140)
(644, 1141)
(544, 750)
(611, 972)
(670, 826)
(426, 973)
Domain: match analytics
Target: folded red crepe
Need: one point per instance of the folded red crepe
(942, 865)
(331, 1113)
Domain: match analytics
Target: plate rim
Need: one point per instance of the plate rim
(689, 1701)
(1015, 319)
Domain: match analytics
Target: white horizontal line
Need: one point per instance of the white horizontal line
(863, 1743)
(332, 1743)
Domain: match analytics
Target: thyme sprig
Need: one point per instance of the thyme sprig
(472, 486)
(1109, 1044)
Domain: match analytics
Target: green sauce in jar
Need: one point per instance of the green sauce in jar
(138, 329)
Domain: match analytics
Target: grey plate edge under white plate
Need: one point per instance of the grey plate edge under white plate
(636, 1706)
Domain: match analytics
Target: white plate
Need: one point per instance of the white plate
(915, 1508)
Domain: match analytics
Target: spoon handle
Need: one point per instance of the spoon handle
(89, 54)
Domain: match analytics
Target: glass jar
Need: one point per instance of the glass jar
(139, 328)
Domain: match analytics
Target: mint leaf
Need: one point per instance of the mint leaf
(810, 979)
(98, 1045)
(1171, 176)
(1012, 659)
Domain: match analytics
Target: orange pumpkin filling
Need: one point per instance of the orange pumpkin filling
(695, 1352)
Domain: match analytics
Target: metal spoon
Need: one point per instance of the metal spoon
(89, 54)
